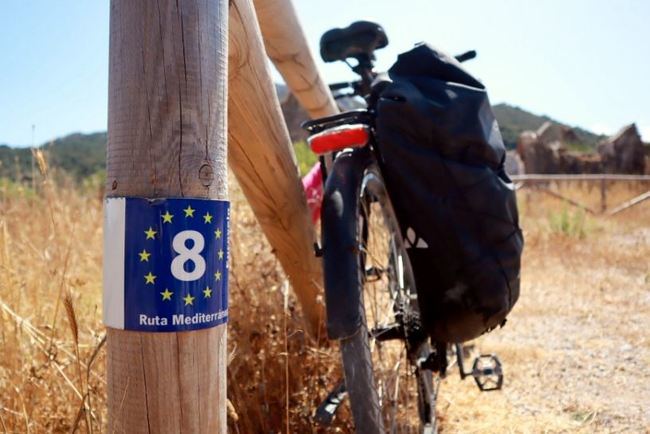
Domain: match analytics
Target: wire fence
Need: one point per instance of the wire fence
(549, 184)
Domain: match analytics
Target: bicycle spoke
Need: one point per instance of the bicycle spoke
(397, 384)
(386, 391)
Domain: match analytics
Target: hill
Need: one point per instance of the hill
(79, 154)
(82, 155)
(514, 120)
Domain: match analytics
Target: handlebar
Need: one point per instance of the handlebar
(468, 55)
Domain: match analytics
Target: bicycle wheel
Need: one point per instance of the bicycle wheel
(387, 391)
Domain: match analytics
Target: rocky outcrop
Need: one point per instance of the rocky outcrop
(544, 151)
(293, 113)
(576, 163)
(540, 150)
(550, 132)
(294, 116)
(623, 152)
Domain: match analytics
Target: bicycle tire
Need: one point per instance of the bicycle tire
(368, 398)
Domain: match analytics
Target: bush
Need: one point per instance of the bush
(305, 157)
(569, 223)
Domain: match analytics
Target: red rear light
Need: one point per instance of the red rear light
(339, 138)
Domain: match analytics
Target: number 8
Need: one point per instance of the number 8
(185, 254)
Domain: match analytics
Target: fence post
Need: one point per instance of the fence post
(603, 195)
(166, 139)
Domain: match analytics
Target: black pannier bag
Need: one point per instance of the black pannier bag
(442, 156)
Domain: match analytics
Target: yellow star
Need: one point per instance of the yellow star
(149, 278)
(217, 275)
(207, 218)
(220, 254)
(144, 255)
(189, 300)
(150, 233)
(167, 294)
(167, 217)
(217, 233)
(207, 292)
(189, 211)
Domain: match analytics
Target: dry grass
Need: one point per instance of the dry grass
(575, 350)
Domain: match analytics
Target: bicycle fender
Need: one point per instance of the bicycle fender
(340, 243)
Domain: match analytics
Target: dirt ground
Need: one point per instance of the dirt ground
(576, 350)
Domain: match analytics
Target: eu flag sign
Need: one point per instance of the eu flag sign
(165, 264)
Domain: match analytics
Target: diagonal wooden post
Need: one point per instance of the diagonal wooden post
(286, 45)
(166, 139)
(262, 158)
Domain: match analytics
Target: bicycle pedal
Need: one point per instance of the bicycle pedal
(326, 411)
(487, 372)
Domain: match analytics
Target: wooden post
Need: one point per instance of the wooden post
(287, 47)
(566, 199)
(630, 203)
(603, 195)
(262, 158)
(167, 138)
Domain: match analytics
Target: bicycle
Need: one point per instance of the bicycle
(391, 372)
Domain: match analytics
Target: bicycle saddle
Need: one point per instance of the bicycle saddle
(359, 40)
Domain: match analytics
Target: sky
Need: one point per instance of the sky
(583, 62)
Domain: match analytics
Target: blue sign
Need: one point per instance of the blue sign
(165, 264)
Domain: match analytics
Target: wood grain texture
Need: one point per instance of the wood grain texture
(167, 82)
(167, 138)
(287, 47)
(262, 158)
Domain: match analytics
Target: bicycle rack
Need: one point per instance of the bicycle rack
(486, 370)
